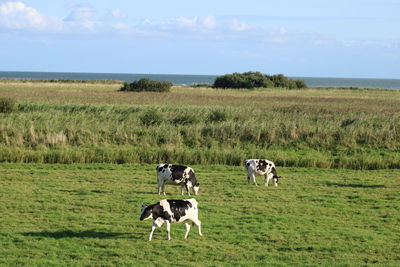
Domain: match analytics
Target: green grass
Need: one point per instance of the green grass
(94, 123)
(57, 81)
(88, 215)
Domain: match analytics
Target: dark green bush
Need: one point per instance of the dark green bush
(147, 85)
(217, 116)
(150, 117)
(300, 84)
(206, 85)
(7, 105)
(240, 80)
(186, 119)
(252, 80)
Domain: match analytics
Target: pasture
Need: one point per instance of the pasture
(88, 215)
(77, 161)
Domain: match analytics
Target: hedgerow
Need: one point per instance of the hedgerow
(148, 85)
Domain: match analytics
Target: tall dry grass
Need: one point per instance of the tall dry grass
(313, 128)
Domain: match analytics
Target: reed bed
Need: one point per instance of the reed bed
(320, 132)
(57, 122)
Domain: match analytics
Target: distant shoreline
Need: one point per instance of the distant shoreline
(188, 79)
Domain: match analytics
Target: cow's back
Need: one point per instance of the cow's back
(175, 173)
(258, 166)
(180, 210)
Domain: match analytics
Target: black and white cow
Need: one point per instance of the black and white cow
(172, 210)
(177, 174)
(261, 167)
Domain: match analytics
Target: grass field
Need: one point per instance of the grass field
(337, 204)
(94, 123)
(88, 215)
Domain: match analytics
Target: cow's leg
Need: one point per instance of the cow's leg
(187, 189)
(168, 224)
(153, 227)
(198, 223)
(266, 179)
(160, 186)
(248, 179)
(253, 179)
(182, 189)
(187, 229)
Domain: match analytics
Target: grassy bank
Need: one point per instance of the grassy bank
(88, 214)
(57, 81)
(93, 123)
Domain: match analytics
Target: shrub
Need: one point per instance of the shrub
(206, 85)
(300, 84)
(7, 105)
(148, 85)
(150, 117)
(185, 119)
(217, 116)
(252, 80)
(240, 80)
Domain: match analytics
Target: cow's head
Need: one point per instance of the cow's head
(146, 212)
(196, 188)
(275, 176)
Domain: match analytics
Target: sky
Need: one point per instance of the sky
(308, 38)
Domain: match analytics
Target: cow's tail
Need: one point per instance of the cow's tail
(195, 180)
(194, 202)
(157, 171)
(192, 177)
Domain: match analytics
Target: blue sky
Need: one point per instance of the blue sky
(353, 38)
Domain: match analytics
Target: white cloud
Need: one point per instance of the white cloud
(146, 22)
(16, 15)
(283, 30)
(278, 39)
(238, 25)
(82, 19)
(117, 13)
(123, 28)
(389, 44)
(80, 14)
(209, 22)
(190, 24)
(350, 43)
(198, 28)
(181, 22)
(392, 43)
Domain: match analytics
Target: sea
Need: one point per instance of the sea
(196, 79)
